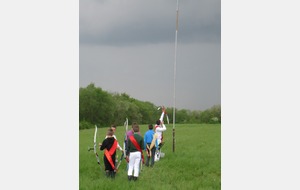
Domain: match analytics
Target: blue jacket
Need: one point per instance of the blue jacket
(148, 137)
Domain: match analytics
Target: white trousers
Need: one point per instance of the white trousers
(134, 163)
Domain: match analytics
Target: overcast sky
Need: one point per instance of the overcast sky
(129, 46)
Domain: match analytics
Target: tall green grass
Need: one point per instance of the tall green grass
(195, 164)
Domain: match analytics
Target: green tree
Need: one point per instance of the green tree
(95, 106)
(211, 115)
(99, 107)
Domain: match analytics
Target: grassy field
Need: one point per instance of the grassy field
(195, 164)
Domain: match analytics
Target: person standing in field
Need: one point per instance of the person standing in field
(149, 138)
(114, 127)
(134, 153)
(159, 129)
(128, 134)
(109, 145)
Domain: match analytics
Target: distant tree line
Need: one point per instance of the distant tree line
(98, 107)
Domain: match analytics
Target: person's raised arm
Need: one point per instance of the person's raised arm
(162, 114)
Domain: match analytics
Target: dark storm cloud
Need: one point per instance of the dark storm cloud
(137, 22)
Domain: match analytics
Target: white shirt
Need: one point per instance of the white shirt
(159, 129)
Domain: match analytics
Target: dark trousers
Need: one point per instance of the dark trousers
(107, 164)
(151, 159)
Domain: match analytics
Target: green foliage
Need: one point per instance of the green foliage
(212, 115)
(136, 110)
(99, 107)
(195, 164)
(96, 106)
(85, 125)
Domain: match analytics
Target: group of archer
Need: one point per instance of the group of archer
(134, 146)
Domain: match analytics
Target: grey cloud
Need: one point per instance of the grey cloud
(137, 22)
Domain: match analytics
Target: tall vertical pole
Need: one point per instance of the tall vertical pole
(174, 87)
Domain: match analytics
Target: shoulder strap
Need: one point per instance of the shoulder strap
(110, 152)
(137, 146)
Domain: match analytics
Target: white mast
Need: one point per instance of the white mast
(174, 87)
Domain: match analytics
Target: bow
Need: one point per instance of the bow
(165, 114)
(124, 144)
(95, 149)
(167, 117)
